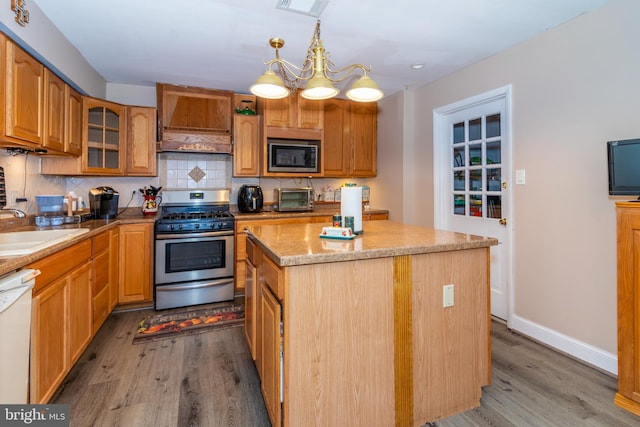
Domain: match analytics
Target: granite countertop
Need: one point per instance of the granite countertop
(9, 264)
(299, 244)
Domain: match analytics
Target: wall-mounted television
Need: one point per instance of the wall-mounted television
(624, 167)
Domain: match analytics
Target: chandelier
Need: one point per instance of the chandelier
(316, 72)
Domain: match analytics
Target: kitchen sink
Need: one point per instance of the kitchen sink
(16, 243)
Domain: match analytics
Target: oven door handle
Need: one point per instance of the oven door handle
(161, 236)
(194, 285)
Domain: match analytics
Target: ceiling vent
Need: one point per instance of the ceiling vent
(306, 7)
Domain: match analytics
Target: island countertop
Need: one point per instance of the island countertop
(300, 244)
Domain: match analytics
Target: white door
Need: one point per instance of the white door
(472, 169)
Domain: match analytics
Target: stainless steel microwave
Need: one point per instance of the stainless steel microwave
(293, 156)
(293, 199)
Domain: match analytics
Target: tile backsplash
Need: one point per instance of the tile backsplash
(175, 171)
(196, 172)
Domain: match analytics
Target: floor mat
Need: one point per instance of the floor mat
(171, 325)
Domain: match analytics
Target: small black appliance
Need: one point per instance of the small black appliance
(103, 202)
(250, 199)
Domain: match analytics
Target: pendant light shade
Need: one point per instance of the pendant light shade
(269, 86)
(319, 87)
(364, 90)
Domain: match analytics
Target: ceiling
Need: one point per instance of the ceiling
(222, 43)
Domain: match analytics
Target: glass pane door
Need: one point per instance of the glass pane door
(476, 170)
(103, 149)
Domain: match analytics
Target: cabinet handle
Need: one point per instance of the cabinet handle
(503, 221)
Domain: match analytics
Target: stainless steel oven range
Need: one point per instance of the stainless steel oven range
(193, 249)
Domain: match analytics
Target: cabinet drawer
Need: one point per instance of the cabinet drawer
(60, 263)
(100, 243)
(273, 276)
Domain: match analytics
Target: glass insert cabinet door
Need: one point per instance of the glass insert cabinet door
(476, 167)
(104, 132)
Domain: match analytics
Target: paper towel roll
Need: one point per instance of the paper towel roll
(351, 205)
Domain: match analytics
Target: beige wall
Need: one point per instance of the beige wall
(389, 185)
(574, 88)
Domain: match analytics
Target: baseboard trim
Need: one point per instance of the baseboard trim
(582, 351)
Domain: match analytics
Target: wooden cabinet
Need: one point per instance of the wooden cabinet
(73, 122)
(135, 263)
(114, 267)
(54, 114)
(193, 119)
(247, 138)
(250, 298)
(24, 97)
(61, 317)
(268, 327)
(337, 148)
(80, 316)
(141, 142)
(270, 348)
(36, 113)
(49, 353)
(350, 138)
(105, 276)
(269, 330)
(117, 140)
(628, 230)
(103, 136)
(293, 112)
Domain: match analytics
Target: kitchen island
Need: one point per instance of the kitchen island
(354, 332)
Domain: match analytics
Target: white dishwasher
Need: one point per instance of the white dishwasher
(15, 335)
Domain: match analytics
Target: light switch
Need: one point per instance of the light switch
(520, 177)
(447, 296)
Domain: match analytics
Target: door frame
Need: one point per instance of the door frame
(440, 172)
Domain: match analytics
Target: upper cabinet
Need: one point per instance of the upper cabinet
(246, 145)
(24, 97)
(117, 140)
(350, 138)
(193, 119)
(54, 112)
(141, 156)
(292, 112)
(39, 111)
(103, 148)
(73, 122)
(347, 130)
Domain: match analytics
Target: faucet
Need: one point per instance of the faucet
(16, 212)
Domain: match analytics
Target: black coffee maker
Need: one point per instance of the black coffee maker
(250, 199)
(103, 202)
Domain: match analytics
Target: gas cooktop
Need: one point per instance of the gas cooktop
(194, 211)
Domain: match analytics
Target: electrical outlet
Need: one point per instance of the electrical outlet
(447, 296)
(11, 198)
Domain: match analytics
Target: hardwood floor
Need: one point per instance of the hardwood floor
(204, 380)
(209, 380)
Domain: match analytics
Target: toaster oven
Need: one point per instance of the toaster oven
(293, 199)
